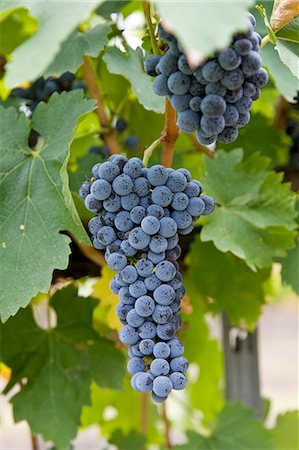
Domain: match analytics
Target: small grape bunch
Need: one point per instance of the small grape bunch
(214, 99)
(140, 213)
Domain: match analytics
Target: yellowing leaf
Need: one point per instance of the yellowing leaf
(283, 12)
(101, 290)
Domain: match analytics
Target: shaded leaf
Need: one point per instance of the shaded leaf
(59, 365)
(132, 441)
(34, 214)
(289, 55)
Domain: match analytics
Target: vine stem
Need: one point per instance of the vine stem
(144, 403)
(265, 41)
(167, 427)
(147, 12)
(95, 92)
(202, 148)
(149, 151)
(169, 135)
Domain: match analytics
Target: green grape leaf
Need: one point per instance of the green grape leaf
(57, 21)
(236, 429)
(260, 135)
(285, 434)
(16, 25)
(283, 78)
(255, 216)
(289, 55)
(70, 56)
(111, 6)
(290, 32)
(36, 200)
(240, 292)
(132, 441)
(289, 269)
(197, 30)
(59, 364)
(130, 65)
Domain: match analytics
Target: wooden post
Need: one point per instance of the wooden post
(241, 366)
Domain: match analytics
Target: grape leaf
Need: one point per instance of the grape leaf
(59, 364)
(290, 32)
(36, 200)
(235, 429)
(289, 55)
(16, 25)
(289, 269)
(285, 434)
(255, 219)
(132, 441)
(283, 12)
(196, 30)
(283, 78)
(130, 66)
(260, 135)
(57, 20)
(111, 6)
(70, 56)
(240, 292)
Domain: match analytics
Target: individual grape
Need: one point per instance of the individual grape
(159, 366)
(133, 381)
(244, 105)
(135, 365)
(120, 281)
(97, 244)
(128, 335)
(188, 121)
(137, 289)
(251, 63)
(156, 211)
(178, 83)
(138, 239)
(112, 203)
(229, 59)
(213, 106)
(183, 65)
(177, 181)
(147, 330)
(233, 96)
(123, 221)
(150, 65)
(162, 196)
(141, 186)
(160, 85)
(144, 267)
(127, 248)
(193, 189)
(106, 235)
(249, 89)
(162, 314)
(196, 206)
(243, 46)
(122, 185)
(131, 142)
(181, 102)
(108, 218)
(121, 125)
(179, 381)
(117, 261)
(176, 282)
(233, 80)
(180, 201)
(114, 287)
(256, 95)
(204, 139)
(165, 332)
(92, 204)
(212, 71)
(168, 64)
(157, 175)
(176, 348)
(164, 294)
(195, 103)
(129, 201)
(152, 282)
(144, 382)
(179, 364)
(182, 218)
(209, 204)
(172, 242)
(137, 214)
(108, 171)
(196, 88)
(134, 319)
(243, 120)
(212, 126)
(231, 115)
(150, 225)
(120, 160)
(124, 295)
(162, 386)
(94, 224)
(146, 346)
(84, 189)
(158, 244)
(229, 134)
(174, 254)
(199, 76)
(145, 306)
(129, 274)
(133, 168)
(260, 78)
(215, 88)
(168, 226)
(122, 310)
(161, 350)
(158, 399)
(156, 257)
(165, 271)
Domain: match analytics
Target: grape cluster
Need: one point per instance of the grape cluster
(140, 213)
(213, 99)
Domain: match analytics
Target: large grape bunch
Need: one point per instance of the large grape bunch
(140, 213)
(213, 99)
